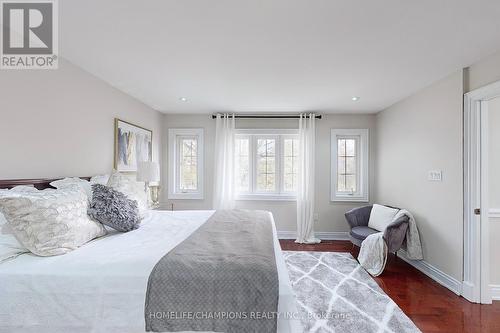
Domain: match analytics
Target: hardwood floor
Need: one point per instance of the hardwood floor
(432, 308)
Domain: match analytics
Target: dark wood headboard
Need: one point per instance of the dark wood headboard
(40, 184)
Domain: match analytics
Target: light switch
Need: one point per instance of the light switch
(435, 176)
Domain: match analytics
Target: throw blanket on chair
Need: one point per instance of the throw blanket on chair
(373, 253)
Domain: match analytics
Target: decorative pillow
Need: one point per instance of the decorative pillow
(114, 209)
(9, 245)
(381, 217)
(74, 181)
(99, 179)
(132, 189)
(51, 222)
(22, 189)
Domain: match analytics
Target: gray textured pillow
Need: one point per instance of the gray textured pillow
(113, 209)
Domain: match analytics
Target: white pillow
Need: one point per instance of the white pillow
(381, 217)
(131, 188)
(52, 222)
(74, 181)
(22, 189)
(9, 245)
(99, 179)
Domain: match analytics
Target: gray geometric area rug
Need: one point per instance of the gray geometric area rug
(335, 294)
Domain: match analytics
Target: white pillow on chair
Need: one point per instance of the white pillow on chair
(381, 217)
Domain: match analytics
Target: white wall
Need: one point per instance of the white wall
(482, 73)
(57, 123)
(331, 215)
(418, 134)
(494, 187)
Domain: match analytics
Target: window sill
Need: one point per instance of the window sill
(185, 196)
(349, 198)
(266, 197)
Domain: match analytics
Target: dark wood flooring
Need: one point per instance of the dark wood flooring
(432, 307)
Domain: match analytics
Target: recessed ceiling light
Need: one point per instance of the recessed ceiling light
(355, 98)
(183, 99)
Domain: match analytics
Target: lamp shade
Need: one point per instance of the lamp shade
(148, 172)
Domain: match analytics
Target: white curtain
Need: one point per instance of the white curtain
(224, 193)
(306, 180)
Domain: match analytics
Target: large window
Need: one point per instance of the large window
(185, 163)
(266, 164)
(349, 179)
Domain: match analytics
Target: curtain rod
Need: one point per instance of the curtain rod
(273, 116)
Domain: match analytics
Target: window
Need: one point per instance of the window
(349, 179)
(185, 172)
(266, 164)
(242, 164)
(188, 163)
(290, 163)
(347, 165)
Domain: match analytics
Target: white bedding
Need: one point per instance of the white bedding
(101, 286)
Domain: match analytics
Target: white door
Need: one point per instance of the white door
(492, 212)
(481, 246)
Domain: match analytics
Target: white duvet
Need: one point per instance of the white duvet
(101, 286)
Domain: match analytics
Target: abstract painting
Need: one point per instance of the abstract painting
(133, 144)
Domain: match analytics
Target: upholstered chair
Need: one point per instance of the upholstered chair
(394, 233)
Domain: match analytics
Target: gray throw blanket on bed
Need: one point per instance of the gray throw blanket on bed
(223, 278)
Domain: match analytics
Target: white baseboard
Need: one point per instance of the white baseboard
(437, 275)
(468, 291)
(495, 292)
(332, 235)
(326, 235)
(287, 235)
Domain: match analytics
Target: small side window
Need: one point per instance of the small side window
(349, 174)
(185, 165)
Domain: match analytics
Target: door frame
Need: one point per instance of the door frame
(475, 286)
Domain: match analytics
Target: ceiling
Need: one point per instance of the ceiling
(275, 55)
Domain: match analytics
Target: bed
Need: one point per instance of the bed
(101, 286)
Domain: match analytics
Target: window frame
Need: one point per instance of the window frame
(279, 135)
(362, 193)
(174, 192)
(282, 161)
(250, 166)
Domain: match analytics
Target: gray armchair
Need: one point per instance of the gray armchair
(394, 234)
